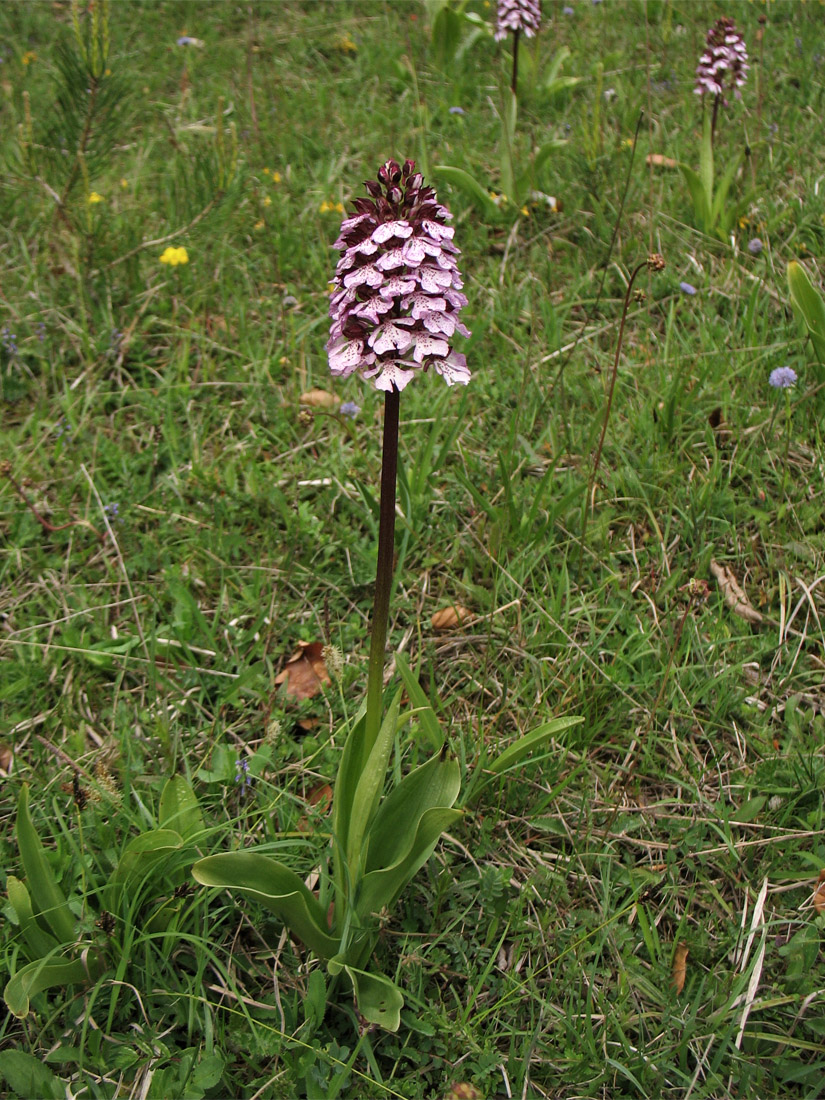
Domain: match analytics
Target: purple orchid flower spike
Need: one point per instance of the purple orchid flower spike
(395, 306)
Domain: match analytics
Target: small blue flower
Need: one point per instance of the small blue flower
(782, 378)
(457, 111)
(755, 246)
(350, 409)
(687, 288)
(242, 775)
(188, 40)
(112, 509)
(567, 10)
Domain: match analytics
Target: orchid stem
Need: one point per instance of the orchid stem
(383, 574)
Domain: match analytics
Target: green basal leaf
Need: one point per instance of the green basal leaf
(38, 941)
(47, 974)
(392, 832)
(346, 783)
(808, 302)
(425, 715)
(720, 198)
(179, 808)
(275, 886)
(49, 902)
(530, 741)
(371, 785)
(700, 199)
(475, 191)
(382, 888)
(140, 857)
(378, 999)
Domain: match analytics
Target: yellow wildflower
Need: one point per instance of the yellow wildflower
(28, 57)
(124, 183)
(260, 224)
(94, 198)
(345, 44)
(276, 177)
(175, 256)
(267, 200)
(327, 207)
(525, 211)
(743, 222)
(265, 171)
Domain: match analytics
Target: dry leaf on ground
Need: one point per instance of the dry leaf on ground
(319, 399)
(450, 617)
(658, 161)
(678, 971)
(6, 758)
(305, 673)
(733, 593)
(819, 893)
(321, 798)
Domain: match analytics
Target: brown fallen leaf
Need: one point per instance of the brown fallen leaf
(733, 593)
(658, 161)
(819, 893)
(319, 399)
(6, 758)
(305, 673)
(450, 617)
(678, 971)
(321, 798)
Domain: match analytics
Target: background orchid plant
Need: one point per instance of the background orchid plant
(395, 309)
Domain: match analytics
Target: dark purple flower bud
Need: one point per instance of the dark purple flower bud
(725, 60)
(518, 15)
(397, 297)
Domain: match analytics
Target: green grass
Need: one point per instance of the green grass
(535, 950)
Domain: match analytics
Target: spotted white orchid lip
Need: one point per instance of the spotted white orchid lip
(517, 15)
(725, 60)
(398, 290)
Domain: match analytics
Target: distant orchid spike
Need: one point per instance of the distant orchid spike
(518, 15)
(397, 296)
(725, 53)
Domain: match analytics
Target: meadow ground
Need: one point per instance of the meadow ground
(630, 913)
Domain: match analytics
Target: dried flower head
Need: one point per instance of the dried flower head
(518, 15)
(656, 261)
(397, 291)
(725, 53)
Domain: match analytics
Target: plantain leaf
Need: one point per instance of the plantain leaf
(27, 1076)
(275, 886)
(179, 808)
(378, 999)
(49, 900)
(46, 974)
(38, 941)
(808, 302)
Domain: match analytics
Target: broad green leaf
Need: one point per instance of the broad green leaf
(179, 808)
(700, 198)
(27, 1076)
(49, 901)
(807, 300)
(425, 714)
(544, 152)
(434, 784)
(371, 785)
(140, 857)
(40, 975)
(379, 1000)
(208, 1071)
(346, 783)
(38, 941)
(469, 185)
(382, 888)
(530, 741)
(721, 195)
(276, 887)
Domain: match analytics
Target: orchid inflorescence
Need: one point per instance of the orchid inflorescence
(397, 291)
(517, 15)
(725, 52)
